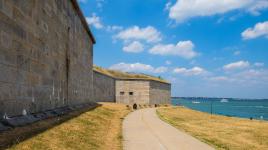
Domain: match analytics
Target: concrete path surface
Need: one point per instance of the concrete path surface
(143, 130)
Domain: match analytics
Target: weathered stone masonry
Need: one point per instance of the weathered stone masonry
(108, 88)
(46, 52)
(140, 91)
(104, 87)
(159, 92)
(132, 91)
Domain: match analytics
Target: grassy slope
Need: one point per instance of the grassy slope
(124, 75)
(96, 129)
(219, 131)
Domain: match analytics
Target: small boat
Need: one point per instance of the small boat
(195, 102)
(224, 100)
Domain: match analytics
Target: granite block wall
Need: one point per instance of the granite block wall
(142, 92)
(104, 87)
(45, 56)
(132, 91)
(159, 93)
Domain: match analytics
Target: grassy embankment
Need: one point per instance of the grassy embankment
(96, 129)
(218, 131)
(125, 75)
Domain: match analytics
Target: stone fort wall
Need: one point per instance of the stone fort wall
(142, 92)
(132, 91)
(104, 87)
(45, 56)
(159, 93)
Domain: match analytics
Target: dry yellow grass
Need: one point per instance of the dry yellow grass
(98, 129)
(218, 131)
(124, 75)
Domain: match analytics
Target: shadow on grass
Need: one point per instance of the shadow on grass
(20, 134)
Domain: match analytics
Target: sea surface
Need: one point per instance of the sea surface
(244, 108)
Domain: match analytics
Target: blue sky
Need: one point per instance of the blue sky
(203, 47)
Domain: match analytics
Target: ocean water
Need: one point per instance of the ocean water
(256, 109)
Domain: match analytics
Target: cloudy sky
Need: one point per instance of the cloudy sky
(215, 48)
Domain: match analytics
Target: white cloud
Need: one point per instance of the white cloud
(260, 74)
(168, 5)
(138, 67)
(219, 78)
(183, 49)
(185, 9)
(260, 29)
(190, 72)
(160, 70)
(134, 47)
(95, 21)
(236, 53)
(258, 6)
(168, 62)
(149, 34)
(259, 64)
(237, 65)
(244, 78)
(114, 28)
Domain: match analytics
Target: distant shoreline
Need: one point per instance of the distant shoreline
(191, 98)
(249, 109)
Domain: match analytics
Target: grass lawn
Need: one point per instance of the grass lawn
(218, 131)
(96, 129)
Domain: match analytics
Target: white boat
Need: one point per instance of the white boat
(224, 100)
(195, 102)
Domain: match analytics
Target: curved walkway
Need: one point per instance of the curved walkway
(143, 130)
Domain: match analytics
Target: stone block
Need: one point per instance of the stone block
(23, 77)
(7, 74)
(47, 81)
(44, 26)
(42, 98)
(1, 4)
(54, 7)
(39, 68)
(10, 58)
(23, 62)
(6, 40)
(25, 6)
(47, 9)
(7, 8)
(35, 53)
(35, 79)
(22, 93)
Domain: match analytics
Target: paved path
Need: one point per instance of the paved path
(143, 130)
